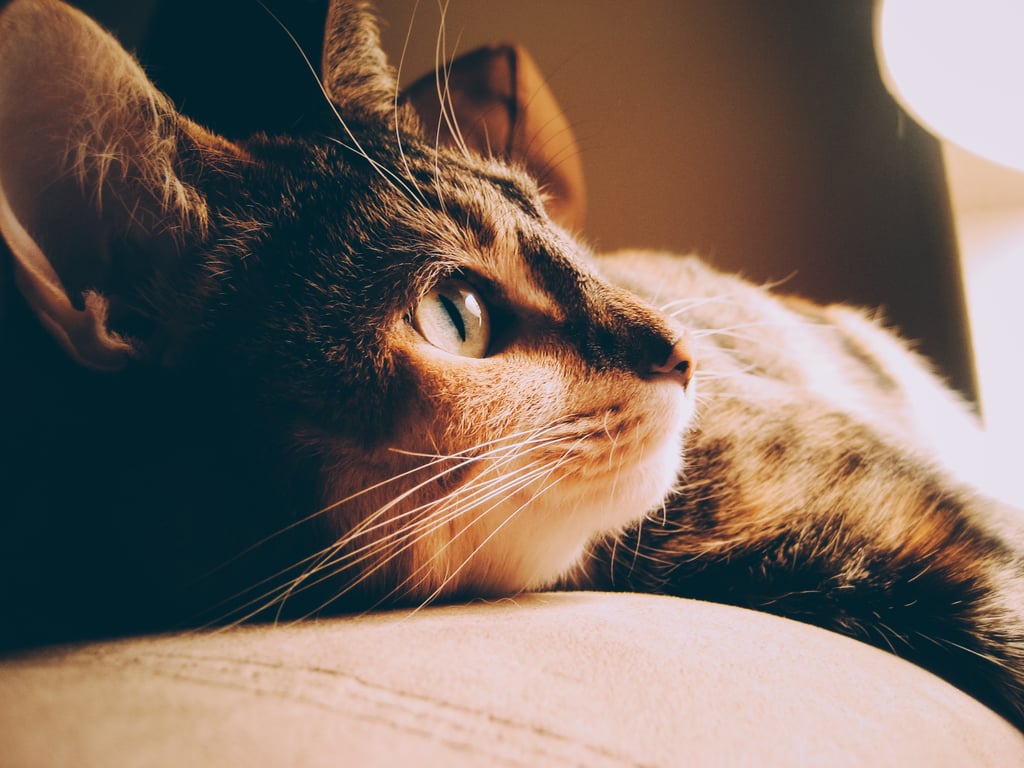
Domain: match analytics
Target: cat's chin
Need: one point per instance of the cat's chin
(519, 520)
(539, 541)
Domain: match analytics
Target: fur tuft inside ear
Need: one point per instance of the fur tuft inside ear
(88, 179)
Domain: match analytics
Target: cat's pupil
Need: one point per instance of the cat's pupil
(454, 316)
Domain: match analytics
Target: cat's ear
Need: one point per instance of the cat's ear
(503, 108)
(497, 97)
(355, 72)
(92, 204)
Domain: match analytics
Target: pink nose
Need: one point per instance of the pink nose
(679, 364)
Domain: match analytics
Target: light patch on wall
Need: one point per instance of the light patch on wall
(988, 205)
(956, 67)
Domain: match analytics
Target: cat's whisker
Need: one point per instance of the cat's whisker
(727, 329)
(362, 528)
(707, 375)
(536, 474)
(614, 440)
(442, 81)
(224, 621)
(397, 99)
(494, 460)
(369, 551)
(320, 512)
(688, 303)
(659, 514)
(508, 519)
(990, 658)
(743, 339)
(438, 62)
(476, 486)
(414, 535)
(466, 456)
(637, 547)
(738, 298)
(500, 494)
(533, 433)
(396, 181)
(508, 485)
(371, 523)
(568, 151)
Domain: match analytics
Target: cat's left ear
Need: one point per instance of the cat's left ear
(94, 204)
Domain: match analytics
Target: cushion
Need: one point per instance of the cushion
(546, 679)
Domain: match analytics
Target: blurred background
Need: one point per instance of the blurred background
(760, 135)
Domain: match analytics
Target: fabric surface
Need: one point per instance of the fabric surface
(549, 679)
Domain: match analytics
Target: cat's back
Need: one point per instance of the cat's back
(756, 342)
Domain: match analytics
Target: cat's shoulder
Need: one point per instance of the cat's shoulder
(760, 336)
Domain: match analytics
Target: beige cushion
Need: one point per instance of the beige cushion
(550, 679)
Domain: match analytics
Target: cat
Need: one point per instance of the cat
(322, 373)
(349, 337)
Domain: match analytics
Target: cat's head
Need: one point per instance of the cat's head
(478, 403)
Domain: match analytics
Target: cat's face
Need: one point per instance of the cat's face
(477, 402)
(482, 403)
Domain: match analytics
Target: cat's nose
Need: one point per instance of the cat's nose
(679, 364)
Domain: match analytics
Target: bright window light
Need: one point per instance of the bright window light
(957, 66)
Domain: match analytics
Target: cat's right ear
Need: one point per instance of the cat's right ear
(93, 202)
(505, 109)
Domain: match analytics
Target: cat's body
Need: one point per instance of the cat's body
(826, 480)
(329, 372)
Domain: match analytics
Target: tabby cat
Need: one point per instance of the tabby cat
(297, 374)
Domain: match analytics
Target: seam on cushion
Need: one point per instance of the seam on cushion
(454, 725)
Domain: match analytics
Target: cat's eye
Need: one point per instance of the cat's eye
(453, 317)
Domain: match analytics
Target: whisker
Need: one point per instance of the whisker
(320, 512)
(427, 527)
(326, 558)
(367, 525)
(398, 77)
(512, 515)
(438, 62)
(444, 64)
(544, 471)
(500, 494)
(361, 530)
(725, 329)
(687, 303)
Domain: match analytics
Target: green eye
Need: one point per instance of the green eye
(454, 318)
